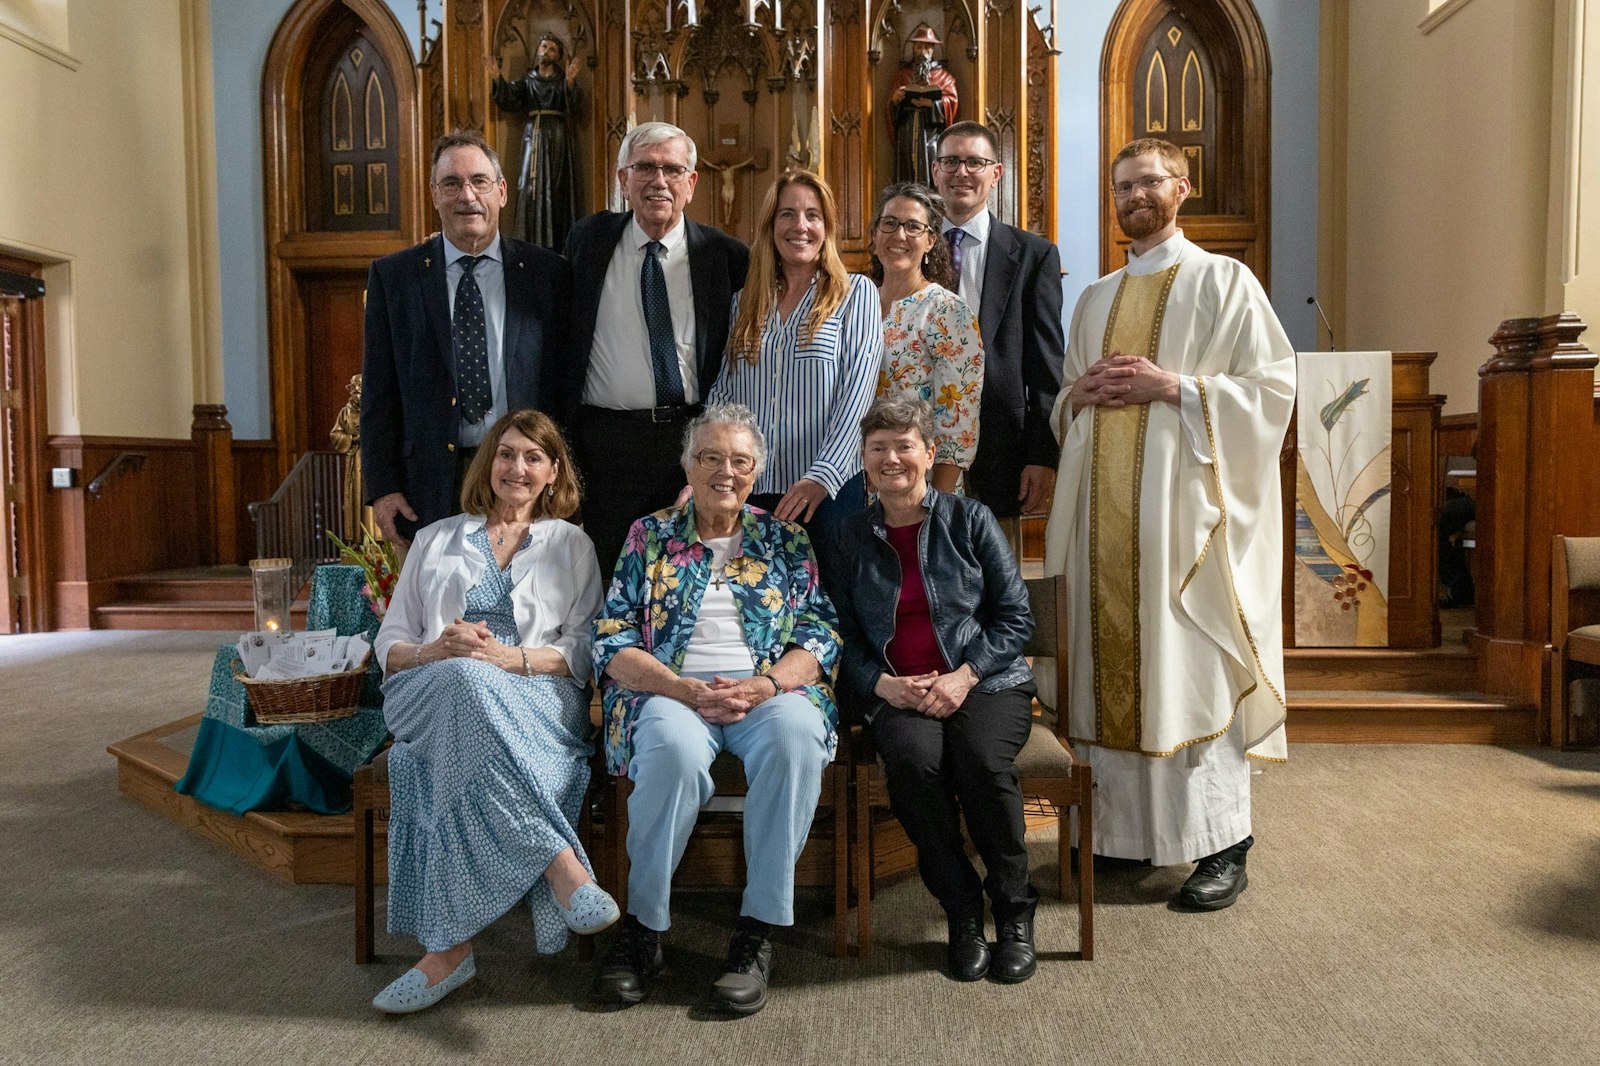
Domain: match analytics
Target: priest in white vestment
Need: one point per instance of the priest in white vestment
(1167, 522)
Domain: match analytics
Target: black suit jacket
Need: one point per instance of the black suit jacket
(409, 422)
(717, 266)
(1023, 347)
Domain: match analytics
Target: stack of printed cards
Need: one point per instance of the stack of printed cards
(279, 656)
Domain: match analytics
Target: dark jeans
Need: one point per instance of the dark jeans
(629, 466)
(937, 770)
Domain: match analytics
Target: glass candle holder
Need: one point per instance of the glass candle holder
(269, 580)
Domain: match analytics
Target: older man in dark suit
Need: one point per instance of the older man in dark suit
(1012, 279)
(649, 323)
(459, 330)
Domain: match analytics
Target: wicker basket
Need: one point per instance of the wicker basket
(324, 698)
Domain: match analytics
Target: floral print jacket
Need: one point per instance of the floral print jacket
(655, 597)
(932, 351)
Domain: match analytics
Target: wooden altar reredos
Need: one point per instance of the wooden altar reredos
(762, 86)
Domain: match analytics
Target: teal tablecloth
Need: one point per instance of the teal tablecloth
(238, 766)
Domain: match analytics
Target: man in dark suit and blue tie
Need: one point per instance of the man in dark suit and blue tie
(651, 295)
(459, 330)
(1012, 279)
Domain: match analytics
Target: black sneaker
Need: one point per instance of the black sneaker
(967, 952)
(1217, 879)
(630, 968)
(742, 988)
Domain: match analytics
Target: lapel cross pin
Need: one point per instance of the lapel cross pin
(427, 260)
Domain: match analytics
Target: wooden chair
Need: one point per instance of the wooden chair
(370, 799)
(1574, 640)
(727, 776)
(1047, 764)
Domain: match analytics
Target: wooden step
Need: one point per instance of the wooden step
(208, 583)
(1400, 717)
(1449, 669)
(221, 615)
(297, 846)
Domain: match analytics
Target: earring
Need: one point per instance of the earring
(550, 491)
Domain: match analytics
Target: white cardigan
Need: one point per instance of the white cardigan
(555, 592)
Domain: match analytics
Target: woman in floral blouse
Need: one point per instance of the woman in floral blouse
(716, 635)
(931, 348)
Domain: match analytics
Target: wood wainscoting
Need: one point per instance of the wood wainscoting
(142, 505)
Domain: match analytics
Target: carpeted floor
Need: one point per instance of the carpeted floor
(1407, 905)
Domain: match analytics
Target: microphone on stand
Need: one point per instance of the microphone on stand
(1333, 345)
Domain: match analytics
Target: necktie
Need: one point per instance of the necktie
(955, 236)
(471, 339)
(658, 322)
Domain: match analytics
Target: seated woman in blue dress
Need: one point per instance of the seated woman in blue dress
(935, 615)
(486, 651)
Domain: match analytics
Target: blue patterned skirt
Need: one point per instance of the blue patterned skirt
(486, 780)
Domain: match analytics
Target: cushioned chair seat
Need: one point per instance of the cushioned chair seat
(1043, 755)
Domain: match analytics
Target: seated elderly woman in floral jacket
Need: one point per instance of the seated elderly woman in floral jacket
(716, 634)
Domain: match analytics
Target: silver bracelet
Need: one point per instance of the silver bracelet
(416, 657)
(525, 671)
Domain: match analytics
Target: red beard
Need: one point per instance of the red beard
(1163, 209)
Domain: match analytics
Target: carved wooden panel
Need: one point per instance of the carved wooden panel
(1037, 164)
(352, 138)
(1175, 98)
(1196, 73)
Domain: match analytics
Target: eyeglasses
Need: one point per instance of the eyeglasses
(712, 461)
(975, 164)
(648, 171)
(913, 228)
(481, 184)
(1124, 189)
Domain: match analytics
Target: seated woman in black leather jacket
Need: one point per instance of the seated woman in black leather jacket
(935, 615)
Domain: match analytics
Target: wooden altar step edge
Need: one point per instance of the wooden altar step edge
(297, 846)
(197, 598)
(304, 848)
(1352, 716)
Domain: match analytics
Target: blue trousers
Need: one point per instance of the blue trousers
(783, 745)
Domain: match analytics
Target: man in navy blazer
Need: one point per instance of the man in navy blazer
(415, 440)
(627, 442)
(1012, 278)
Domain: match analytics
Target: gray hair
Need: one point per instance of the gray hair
(646, 134)
(464, 138)
(725, 414)
(898, 413)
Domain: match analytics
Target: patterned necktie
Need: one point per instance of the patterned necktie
(955, 236)
(658, 322)
(471, 338)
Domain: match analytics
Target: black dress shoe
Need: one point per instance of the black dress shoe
(1014, 960)
(742, 988)
(631, 966)
(968, 953)
(1217, 879)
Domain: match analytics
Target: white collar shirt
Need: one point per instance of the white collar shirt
(620, 374)
(974, 255)
(491, 277)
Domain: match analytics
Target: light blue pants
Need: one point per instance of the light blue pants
(783, 745)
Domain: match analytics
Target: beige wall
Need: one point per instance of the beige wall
(95, 177)
(1446, 175)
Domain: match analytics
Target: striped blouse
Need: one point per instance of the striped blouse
(809, 398)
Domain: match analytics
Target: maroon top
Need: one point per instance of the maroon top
(914, 649)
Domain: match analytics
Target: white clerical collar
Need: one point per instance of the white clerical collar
(976, 228)
(452, 253)
(674, 237)
(1158, 258)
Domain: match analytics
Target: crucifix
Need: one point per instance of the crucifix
(727, 162)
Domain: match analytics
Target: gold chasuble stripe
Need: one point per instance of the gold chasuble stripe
(1134, 328)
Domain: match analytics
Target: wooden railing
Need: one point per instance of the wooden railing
(294, 524)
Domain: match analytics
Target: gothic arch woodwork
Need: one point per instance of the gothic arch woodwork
(344, 182)
(1196, 73)
(762, 86)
